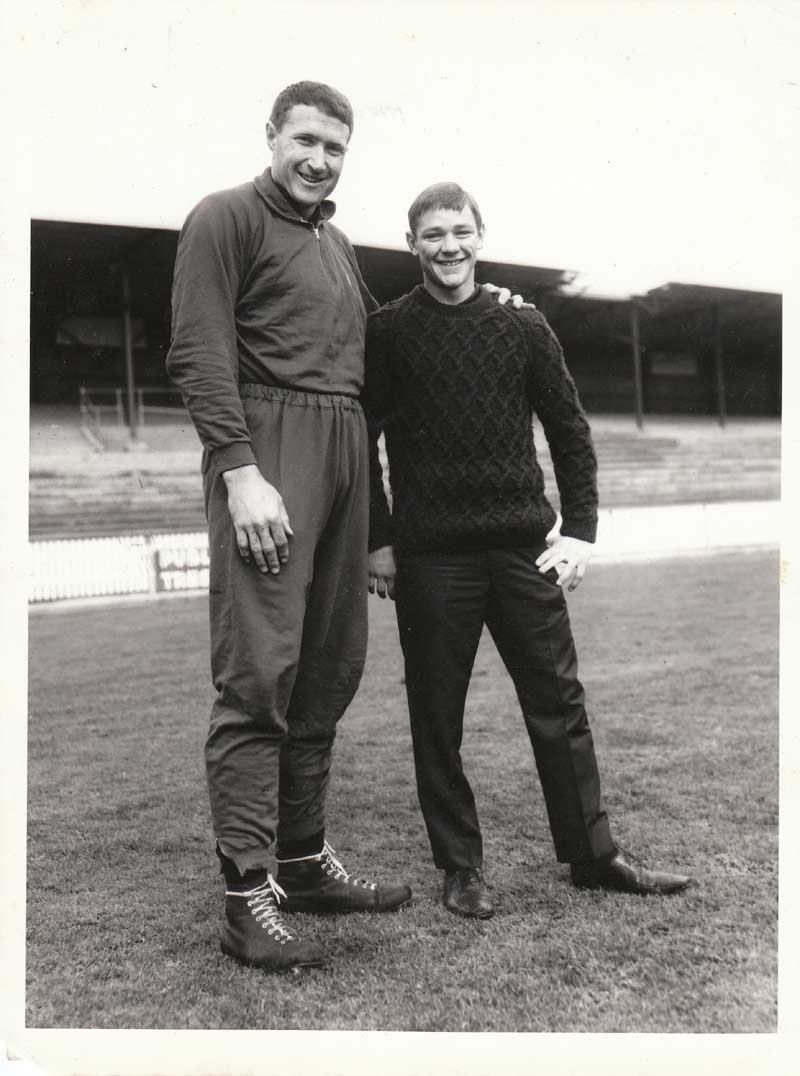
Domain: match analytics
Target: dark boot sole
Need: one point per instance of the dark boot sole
(279, 968)
(641, 892)
(468, 915)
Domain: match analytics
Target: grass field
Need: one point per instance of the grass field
(679, 659)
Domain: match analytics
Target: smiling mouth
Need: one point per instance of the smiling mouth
(313, 180)
(450, 265)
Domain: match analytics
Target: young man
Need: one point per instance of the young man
(268, 320)
(453, 379)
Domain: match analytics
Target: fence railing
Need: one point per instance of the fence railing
(157, 563)
(130, 564)
(173, 404)
(103, 406)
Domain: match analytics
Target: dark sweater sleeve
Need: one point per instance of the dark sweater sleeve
(375, 399)
(203, 359)
(554, 398)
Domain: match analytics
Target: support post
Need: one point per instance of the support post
(127, 334)
(637, 366)
(719, 364)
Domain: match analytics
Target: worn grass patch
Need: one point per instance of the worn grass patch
(679, 660)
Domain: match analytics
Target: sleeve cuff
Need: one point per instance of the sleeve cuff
(380, 535)
(585, 530)
(226, 458)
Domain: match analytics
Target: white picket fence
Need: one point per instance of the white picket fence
(131, 564)
(147, 564)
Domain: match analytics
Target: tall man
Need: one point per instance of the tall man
(269, 312)
(453, 379)
(269, 315)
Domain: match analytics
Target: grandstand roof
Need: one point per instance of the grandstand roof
(675, 298)
(610, 145)
(75, 267)
(78, 264)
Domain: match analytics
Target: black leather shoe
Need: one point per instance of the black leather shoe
(465, 893)
(625, 874)
(320, 885)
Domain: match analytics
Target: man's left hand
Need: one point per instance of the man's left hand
(570, 557)
(504, 294)
(382, 572)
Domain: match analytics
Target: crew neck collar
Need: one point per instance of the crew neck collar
(474, 306)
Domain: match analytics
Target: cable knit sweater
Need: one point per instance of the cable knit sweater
(454, 388)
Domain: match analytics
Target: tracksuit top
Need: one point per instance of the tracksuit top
(261, 295)
(454, 389)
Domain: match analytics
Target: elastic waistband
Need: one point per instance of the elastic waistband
(254, 391)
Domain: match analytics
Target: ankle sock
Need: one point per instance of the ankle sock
(303, 846)
(237, 882)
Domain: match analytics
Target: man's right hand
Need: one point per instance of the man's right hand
(259, 518)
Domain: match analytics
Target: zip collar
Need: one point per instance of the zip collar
(280, 203)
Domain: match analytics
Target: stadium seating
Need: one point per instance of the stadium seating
(76, 491)
(694, 463)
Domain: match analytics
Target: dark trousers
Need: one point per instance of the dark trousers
(287, 650)
(443, 601)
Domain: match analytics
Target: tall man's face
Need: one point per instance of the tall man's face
(308, 154)
(447, 242)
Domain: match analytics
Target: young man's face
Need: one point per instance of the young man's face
(447, 242)
(308, 154)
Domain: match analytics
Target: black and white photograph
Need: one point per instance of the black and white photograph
(399, 590)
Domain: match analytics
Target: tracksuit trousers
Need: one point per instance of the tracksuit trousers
(443, 601)
(287, 650)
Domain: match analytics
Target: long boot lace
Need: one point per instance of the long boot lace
(331, 865)
(264, 901)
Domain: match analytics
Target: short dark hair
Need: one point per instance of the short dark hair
(442, 196)
(316, 95)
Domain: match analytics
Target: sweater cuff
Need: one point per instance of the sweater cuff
(380, 535)
(228, 457)
(585, 530)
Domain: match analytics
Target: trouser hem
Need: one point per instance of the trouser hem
(597, 854)
(247, 859)
(448, 868)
